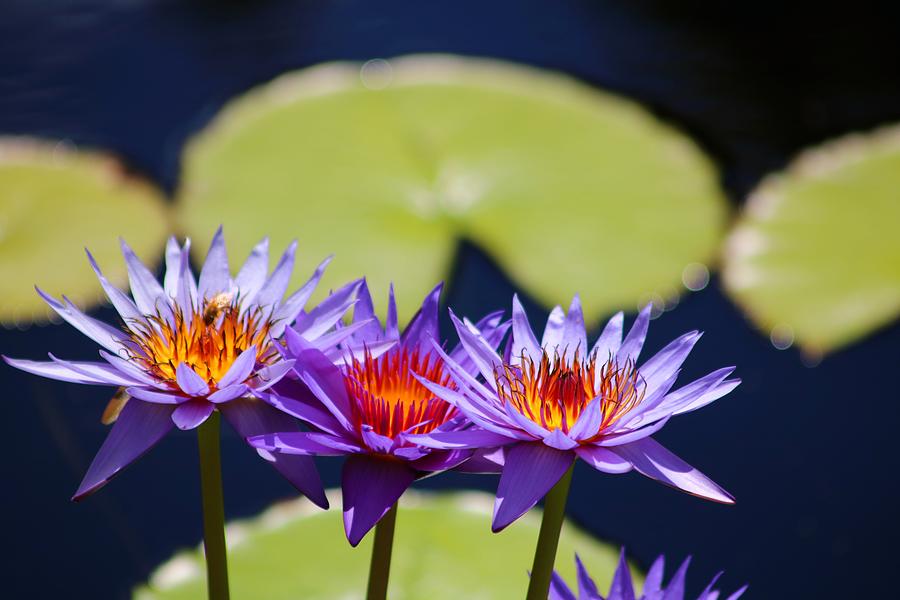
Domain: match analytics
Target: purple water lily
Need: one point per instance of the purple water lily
(189, 347)
(622, 587)
(551, 402)
(365, 400)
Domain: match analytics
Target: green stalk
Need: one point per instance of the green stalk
(213, 508)
(548, 538)
(380, 567)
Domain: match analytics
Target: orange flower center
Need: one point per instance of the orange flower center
(554, 394)
(208, 340)
(386, 396)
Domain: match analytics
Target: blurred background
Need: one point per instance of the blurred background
(736, 167)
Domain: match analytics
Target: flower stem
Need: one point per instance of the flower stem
(213, 508)
(548, 538)
(380, 567)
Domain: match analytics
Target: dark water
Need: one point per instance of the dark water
(810, 453)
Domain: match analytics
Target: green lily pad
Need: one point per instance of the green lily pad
(54, 201)
(443, 549)
(387, 165)
(815, 256)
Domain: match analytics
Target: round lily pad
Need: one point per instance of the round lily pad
(55, 201)
(815, 256)
(443, 550)
(388, 164)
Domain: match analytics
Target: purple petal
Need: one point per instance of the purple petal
(523, 339)
(559, 590)
(63, 371)
(189, 382)
(364, 312)
(675, 589)
(634, 341)
(708, 593)
(668, 360)
(173, 260)
(481, 353)
(294, 398)
(321, 376)
(292, 306)
(139, 427)
(370, 487)
(524, 423)
(530, 471)
(588, 422)
(376, 442)
(653, 460)
(270, 375)
(559, 440)
(109, 337)
(458, 440)
(227, 394)
(391, 330)
(192, 413)
(686, 396)
(738, 593)
(186, 293)
(240, 369)
(253, 273)
(622, 587)
(147, 292)
(603, 459)
(554, 329)
(324, 316)
(424, 324)
(438, 461)
(586, 586)
(120, 301)
(711, 396)
(627, 437)
(607, 345)
(574, 337)
(156, 397)
(251, 417)
(654, 581)
(303, 443)
(273, 289)
(130, 369)
(215, 277)
(489, 461)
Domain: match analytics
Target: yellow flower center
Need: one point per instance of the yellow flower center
(208, 340)
(387, 397)
(554, 394)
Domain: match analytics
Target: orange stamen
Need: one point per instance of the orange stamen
(208, 340)
(386, 396)
(553, 394)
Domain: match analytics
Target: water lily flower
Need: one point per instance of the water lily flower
(622, 587)
(551, 402)
(366, 402)
(189, 347)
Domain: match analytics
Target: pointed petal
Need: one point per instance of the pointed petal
(634, 341)
(457, 440)
(708, 593)
(370, 488)
(530, 471)
(192, 414)
(607, 345)
(252, 275)
(364, 312)
(292, 306)
(574, 336)
(668, 360)
(559, 590)
(653, 460)
(173, 260)
(302, 443)
(523, 339)
(603, 459)
(130, 369)
(155, 397)
(654, 581)
(619, 439)
(622, 588)
(586, 586)
(270, 375)
(320, 376)
(139, 427)
(240, 369)
(62, 371)
(109, 337)
(675, 589)
(481, 353)
(215, 277)
(553, 330)
(120, 301)
(559, 440)
(189, 382)
(227, 394)
(588, 422)
(324, 316)
(424, 324)
(251, 417)
(147, 292)
(273, 289)
(686, 398)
